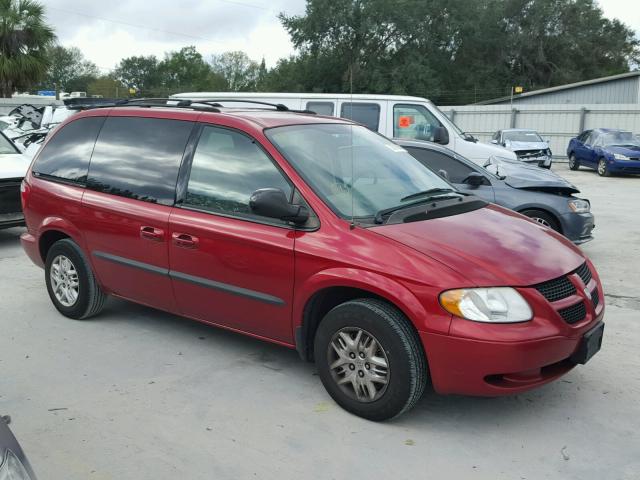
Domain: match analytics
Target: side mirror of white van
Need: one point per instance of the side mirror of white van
(441, 136)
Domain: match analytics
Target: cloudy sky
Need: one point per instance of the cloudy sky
(107, 31)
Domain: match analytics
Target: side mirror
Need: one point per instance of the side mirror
(494, 141)
(444, 174)
(475, 179)
(273, 203)
(441, 136)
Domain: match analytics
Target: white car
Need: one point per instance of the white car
(13, 167)
(394, 116)
(528, 145)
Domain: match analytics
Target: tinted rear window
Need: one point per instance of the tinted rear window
(139, 158)
(66, 156)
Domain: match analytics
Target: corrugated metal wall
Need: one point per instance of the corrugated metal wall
(557, 123)
(624, 90)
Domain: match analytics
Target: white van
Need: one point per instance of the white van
(393, 116)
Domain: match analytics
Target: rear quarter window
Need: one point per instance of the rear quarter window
(139, 158)
(66, 155)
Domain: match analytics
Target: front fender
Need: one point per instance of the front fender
(385, 287)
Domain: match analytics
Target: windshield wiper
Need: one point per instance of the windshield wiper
(430, 191)
(378, 218)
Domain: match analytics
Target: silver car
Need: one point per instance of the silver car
(528, 145)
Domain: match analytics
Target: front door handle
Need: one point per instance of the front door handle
(152, 233)
(184, 240)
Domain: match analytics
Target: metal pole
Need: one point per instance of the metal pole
(511, 97)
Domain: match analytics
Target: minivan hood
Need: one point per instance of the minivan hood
(491, 246)
(13, 165)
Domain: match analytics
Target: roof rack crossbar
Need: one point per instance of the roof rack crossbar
(217, 103)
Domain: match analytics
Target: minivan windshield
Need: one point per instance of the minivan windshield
(521, 136)
(349, 163)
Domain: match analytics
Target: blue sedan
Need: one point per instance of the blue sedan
(606, 150)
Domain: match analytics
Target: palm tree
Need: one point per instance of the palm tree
(24, 37)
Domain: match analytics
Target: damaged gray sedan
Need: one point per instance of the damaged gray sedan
(538, 194)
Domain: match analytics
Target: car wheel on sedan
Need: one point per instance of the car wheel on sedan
(603, 170)
(72, 287)
(573, 162)
(543, 218)
(370, 359)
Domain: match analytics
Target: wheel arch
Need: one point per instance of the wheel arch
(544, 209)
(328, 289)
(54, 229)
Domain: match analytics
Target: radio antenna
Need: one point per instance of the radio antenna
(353, 179)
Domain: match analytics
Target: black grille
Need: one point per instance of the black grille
(584, 273)
(557, 289)
(595, 298)
(574, 313)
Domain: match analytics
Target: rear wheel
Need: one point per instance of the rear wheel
(603, 170)
(72, 287)
(370, 359)
(573, 162)
(543, 218)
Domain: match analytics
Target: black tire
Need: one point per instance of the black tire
(602, 168)
(90, 298)
(407, 364)
(573, 162)
(544, 218)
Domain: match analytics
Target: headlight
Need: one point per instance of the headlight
(492, 305)
(579, 206)
(12, 468)
(619, 156)
(548, 151)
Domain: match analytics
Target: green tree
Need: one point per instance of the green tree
(240, 72)
(142, 73)
(69, 70)
(186, 70)
(107, 86)
(453, 51)
(24, 39)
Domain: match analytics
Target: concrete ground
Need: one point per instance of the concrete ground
(140, 394)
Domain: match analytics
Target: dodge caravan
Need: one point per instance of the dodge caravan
(314, 233)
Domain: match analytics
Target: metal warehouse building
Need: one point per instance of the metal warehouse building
(616, 89)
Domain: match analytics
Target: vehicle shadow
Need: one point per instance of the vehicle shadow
(11, 236)
(434, 410)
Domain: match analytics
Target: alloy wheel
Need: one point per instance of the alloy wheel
(64, 281)
(358, 364)
(602, 167)
(541, 221)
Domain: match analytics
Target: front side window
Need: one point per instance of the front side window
(66, 155)
(414, 122)
(592, 138)
(368, 114)
(438, 162)
(351, 167)
(227, 168)
(139, 158)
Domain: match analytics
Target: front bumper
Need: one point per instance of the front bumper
(486, 363)
(631, 167)
(578, 227)
(544, 162)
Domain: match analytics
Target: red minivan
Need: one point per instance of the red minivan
(314, 233)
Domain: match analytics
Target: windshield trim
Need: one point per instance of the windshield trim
(8, 140)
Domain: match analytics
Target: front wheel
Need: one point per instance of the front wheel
(543, 218)
(370, 359)
(72, 287)
(573, 162)
(603, 170)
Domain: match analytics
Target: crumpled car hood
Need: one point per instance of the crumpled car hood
(530, 177)
(491, 246)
